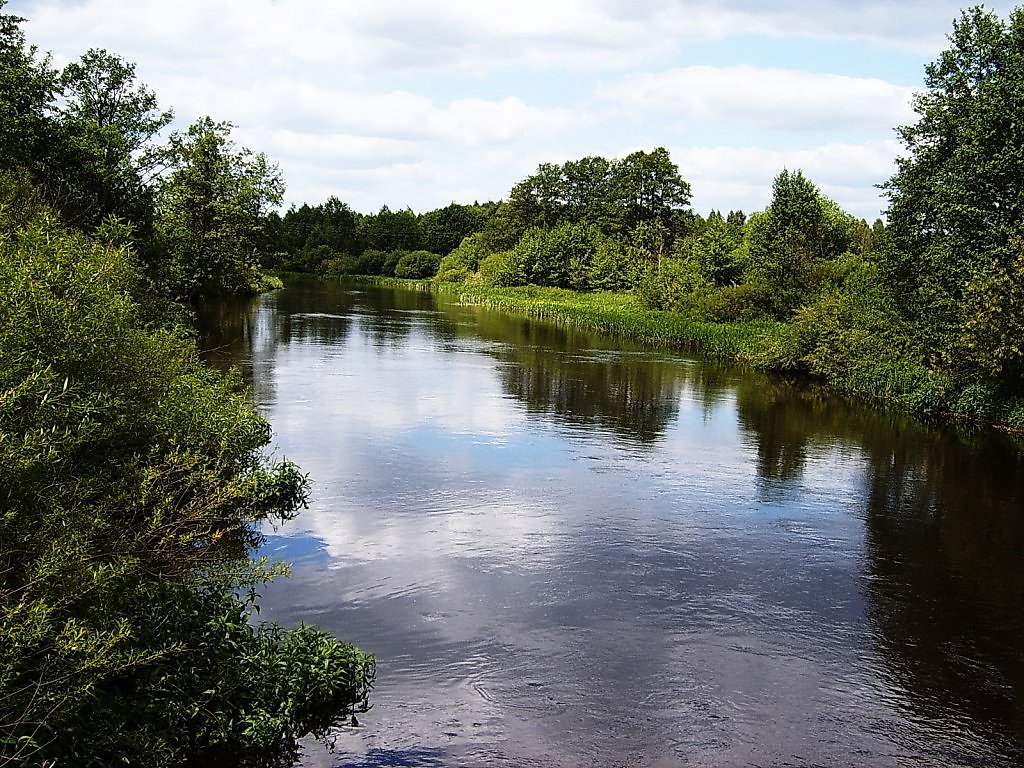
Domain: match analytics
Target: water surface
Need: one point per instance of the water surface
(565, 550)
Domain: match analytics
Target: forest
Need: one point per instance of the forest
(134, 479)
(923, 311)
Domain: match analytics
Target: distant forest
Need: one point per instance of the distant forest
(925, 310)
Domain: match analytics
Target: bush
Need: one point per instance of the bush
(610, 267)
(133, 479)
(417, 265)
(673, 285)
(503, 269)
(370, 262)
(732, 303)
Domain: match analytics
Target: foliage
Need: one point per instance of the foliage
(85, 135)
(652, 187)
(611, 267)
(417, 265)
(992, 338)
(799, 231)
(308, 234)
(210, 212)
(111, 122)
(389, 230)
(570, 255)
(716, 251)
(444, 229)
(131, 479)
(612, 195)
(503, 268)
(620, 314)
(28, 86)
(955, 201)
(729, 303)
(458, 265)
(672, 284)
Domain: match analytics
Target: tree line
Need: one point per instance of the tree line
(925, 308)
(133, 478)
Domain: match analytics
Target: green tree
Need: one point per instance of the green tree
(28, 86)
(714, 250)
(955, 201)
(336, 226)
(389, 230)
(443, 229)
(793, 238)
(651, 187)
(210, 213)
(591, 195)
(538, 200)
(132, 479)
(111, 122)
(458, 265)
(417, 265)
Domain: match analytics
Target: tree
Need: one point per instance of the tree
(132, 482)
(210, 212)
(956, 201)
(590, 194)
(110, 122)
(389, 230)
(443, 229)
(28, 85)
(713, 250)
(799, 231)
(614, 195)
(538, 200)
(651, 187)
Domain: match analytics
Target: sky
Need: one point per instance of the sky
(406, 103)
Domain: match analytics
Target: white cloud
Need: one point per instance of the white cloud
(727, 178)
(420, 104)
(779, 99)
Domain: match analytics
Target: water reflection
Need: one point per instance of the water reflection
(946, 587)
(565, 550)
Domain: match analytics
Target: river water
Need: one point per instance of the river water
(566, 550)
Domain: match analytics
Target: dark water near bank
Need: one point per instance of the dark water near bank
(569, 551)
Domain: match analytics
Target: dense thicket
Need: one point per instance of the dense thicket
(133, 478)
(195, 208)
(956, 204)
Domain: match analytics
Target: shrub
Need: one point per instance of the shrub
(133, 479)
(417, 264)
(503, 269)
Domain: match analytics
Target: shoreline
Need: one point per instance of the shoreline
(906, 387)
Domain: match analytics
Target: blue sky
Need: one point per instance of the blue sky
(420, 104)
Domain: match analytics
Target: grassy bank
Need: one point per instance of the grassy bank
(868, 374)
(616, 314)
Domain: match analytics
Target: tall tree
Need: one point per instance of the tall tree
(28, 86)
(788, 241)
(443, 229)
(956, 202)
(111, 121)
(651, 186)
(539, 199)
(210, 211)
(389, 230)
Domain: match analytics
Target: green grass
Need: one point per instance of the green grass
(620, 314)
(766, 345)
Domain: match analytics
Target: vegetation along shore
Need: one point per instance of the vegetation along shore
(134, 479)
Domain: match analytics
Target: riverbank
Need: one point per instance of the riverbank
(902, 384)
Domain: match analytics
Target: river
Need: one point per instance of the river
(567, 550)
